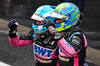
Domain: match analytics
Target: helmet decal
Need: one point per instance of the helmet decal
(69, 13)
(42, 14)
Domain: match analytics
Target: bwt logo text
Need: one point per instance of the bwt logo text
(42, 51)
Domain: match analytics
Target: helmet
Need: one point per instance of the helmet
(68, 13)
(42, 14)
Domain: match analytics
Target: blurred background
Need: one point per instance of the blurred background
(22, 11)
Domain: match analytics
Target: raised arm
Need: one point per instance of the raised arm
(15, 40)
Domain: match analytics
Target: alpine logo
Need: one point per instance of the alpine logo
(52, 43)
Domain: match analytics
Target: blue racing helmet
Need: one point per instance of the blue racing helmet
(69, 14)
(42, 14)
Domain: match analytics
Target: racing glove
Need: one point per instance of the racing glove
(51, 27)
(13, 24)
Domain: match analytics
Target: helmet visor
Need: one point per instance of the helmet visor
(38, 17)
(59, 15)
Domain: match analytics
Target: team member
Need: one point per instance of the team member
(45, 47)
(70, 38)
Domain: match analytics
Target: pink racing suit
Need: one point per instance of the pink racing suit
(72, 49)
(45, 52)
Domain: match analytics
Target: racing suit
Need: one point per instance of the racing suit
(45, 48)
(72, 49)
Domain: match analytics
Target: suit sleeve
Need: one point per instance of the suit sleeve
(71, 46)
(22, 40)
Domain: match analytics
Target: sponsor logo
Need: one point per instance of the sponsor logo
(52, 42)
(42, 36)
(42, 51)
(43, 61)
(63, 59)
(76, 40)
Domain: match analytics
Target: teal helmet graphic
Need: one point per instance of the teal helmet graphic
(42, 14)
(69, 14)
